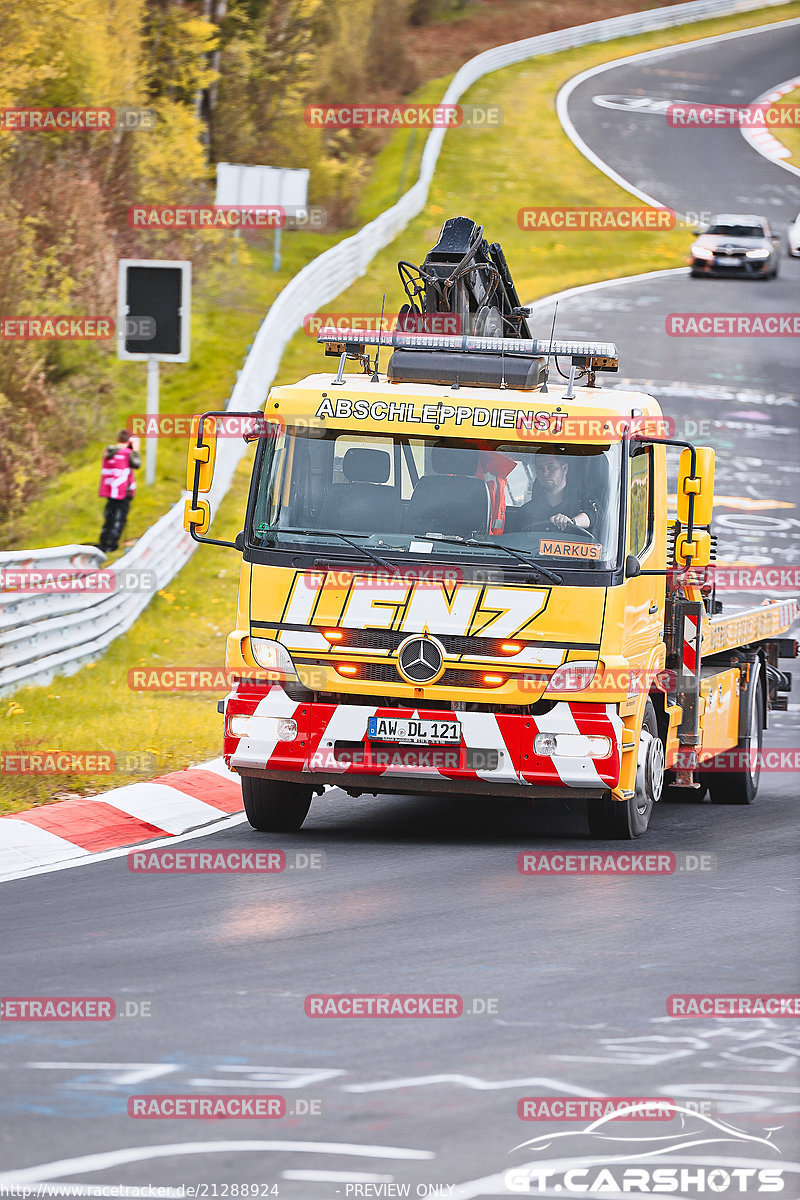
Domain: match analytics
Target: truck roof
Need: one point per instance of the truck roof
(593, 415)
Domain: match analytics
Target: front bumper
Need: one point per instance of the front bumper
(331, 746)
(746, 270)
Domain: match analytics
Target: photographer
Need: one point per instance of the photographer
(117, 487)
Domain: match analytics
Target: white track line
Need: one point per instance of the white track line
(87, 1163)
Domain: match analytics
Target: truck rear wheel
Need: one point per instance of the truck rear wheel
(740, 787)
(273, 806)
(628, 819)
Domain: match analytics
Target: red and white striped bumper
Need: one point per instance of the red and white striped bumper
(332, 745)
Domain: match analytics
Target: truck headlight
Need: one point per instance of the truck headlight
(281, 729)
(761, 252)
(572, 745)
(572, 676)
(273, 657)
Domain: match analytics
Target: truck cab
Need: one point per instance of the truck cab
(458, 580)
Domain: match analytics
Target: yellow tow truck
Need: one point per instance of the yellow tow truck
(458, 579)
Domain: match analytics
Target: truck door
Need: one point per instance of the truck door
(644, 593)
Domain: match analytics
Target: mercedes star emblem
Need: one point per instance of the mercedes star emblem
(420, 660)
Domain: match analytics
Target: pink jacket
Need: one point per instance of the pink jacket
(117, 479)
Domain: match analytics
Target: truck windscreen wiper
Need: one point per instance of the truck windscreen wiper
(387, 566)
(529, 562)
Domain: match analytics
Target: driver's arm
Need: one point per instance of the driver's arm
(584, 518)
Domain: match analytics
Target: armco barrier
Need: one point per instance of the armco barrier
(60, 641)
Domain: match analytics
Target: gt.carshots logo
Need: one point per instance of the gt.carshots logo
(610, 1156)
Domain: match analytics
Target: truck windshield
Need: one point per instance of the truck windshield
(402, 495)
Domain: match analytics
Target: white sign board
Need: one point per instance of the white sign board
(282, 186)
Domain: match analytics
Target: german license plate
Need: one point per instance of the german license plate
(729, 262)
(414, 731)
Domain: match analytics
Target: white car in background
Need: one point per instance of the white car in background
(793, 237)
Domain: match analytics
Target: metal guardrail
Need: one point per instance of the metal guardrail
(58, 639)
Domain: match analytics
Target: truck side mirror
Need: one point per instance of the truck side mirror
(696, 548)
(699, 485)
(632, 567)
(202, 453)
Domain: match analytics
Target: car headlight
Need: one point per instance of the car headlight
(702, 252)
(273, 657)
(572, 676)
(761, 252)
(572, 745)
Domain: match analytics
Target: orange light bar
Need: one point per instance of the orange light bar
(511, 647)
(494, 680)
(347, 670)
(332, 635)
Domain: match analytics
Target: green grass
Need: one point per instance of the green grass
(529, 161)
(789, 135)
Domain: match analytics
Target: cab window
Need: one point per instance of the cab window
(640, 502)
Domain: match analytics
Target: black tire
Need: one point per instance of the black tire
(273, 806)
(629, 819)
(740, 787)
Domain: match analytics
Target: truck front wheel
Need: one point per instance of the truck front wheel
(273, 806)
(739, 786)
(628, 819)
